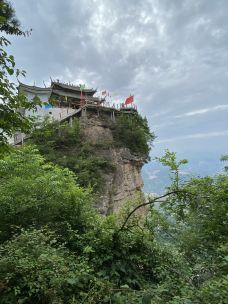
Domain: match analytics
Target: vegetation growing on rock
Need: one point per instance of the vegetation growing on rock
(132, 131)
(65, 145)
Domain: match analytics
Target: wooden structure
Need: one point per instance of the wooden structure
(72, 96)
(62, 94)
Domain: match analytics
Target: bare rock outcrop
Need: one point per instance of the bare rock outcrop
(124, 182)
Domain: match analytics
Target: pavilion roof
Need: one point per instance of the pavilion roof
(33, 89)
(55, 85)
(61, 89)
(71, 87)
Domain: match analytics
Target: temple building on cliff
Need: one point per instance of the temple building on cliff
(62, 102)
(59, 96)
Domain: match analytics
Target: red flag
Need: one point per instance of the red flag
(129, 100)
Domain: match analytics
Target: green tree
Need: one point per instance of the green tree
(12, 103)
(194, 218)
(176, 203)
(132, 131)
(8, 20)
(224, 158)
(35, 197)
(35, 193)
(35, 268)
(170, 160)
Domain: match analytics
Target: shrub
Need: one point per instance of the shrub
(132, 131)
(66, 146)
(36, 193)
(36, 269)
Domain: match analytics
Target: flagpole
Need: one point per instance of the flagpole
(81, 97)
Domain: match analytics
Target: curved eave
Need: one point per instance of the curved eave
(63, 94)
(33, 89)
(59, 85)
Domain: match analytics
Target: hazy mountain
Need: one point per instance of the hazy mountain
(156, 177)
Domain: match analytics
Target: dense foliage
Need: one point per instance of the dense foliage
(45, 202)
(34, 193)
(43, 270)
(56, 248)
(132, 131)
(195, 220)
(8, 20)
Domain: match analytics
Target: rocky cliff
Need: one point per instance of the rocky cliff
(105, 148)
(124, 181)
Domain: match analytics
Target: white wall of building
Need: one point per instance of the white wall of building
(55, 113)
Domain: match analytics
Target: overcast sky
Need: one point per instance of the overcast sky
(171, 54)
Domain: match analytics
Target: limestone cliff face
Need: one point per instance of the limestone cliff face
(125, 181)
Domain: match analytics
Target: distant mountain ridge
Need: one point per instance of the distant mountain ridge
(156, 177)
